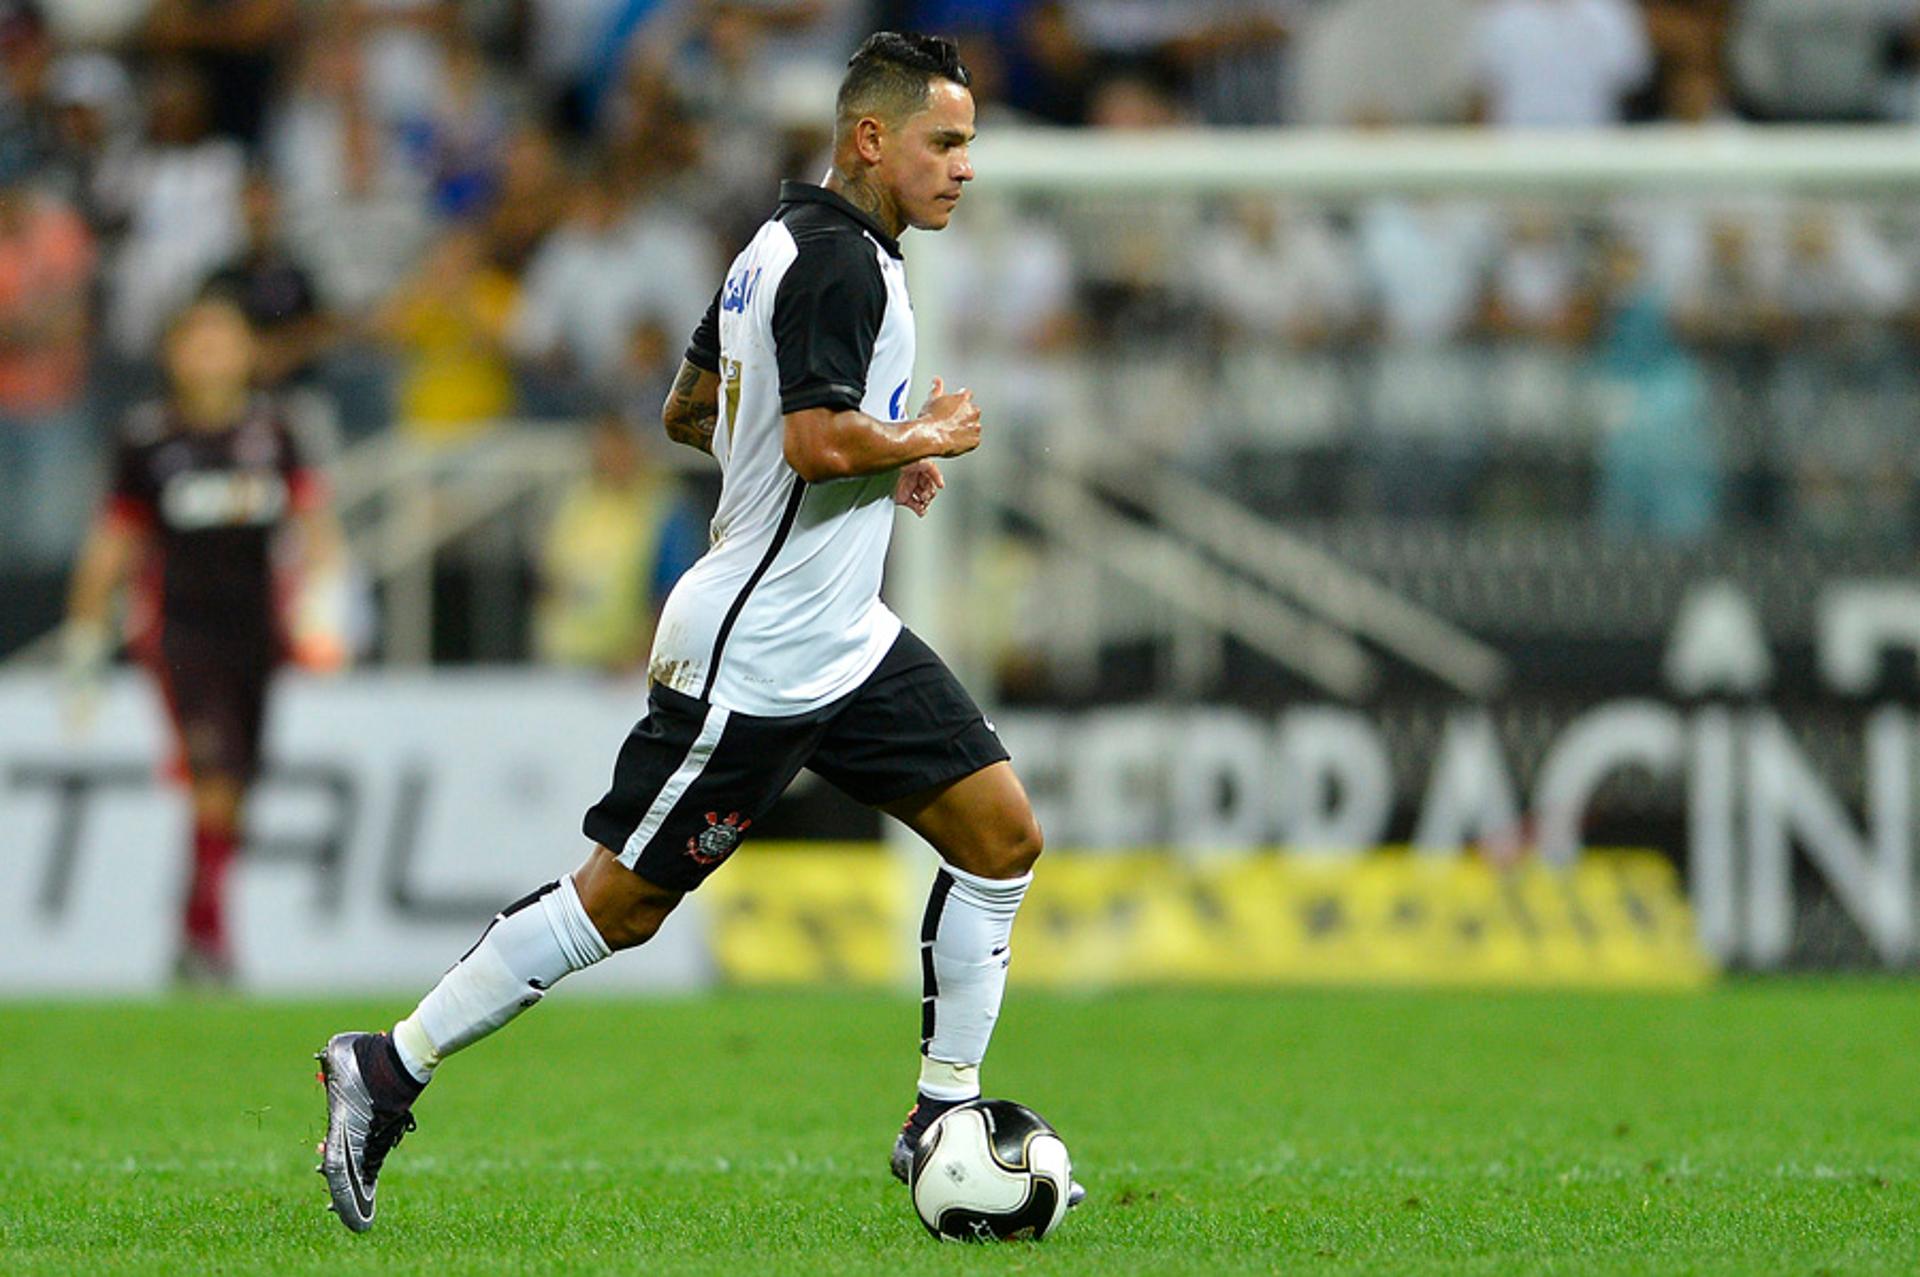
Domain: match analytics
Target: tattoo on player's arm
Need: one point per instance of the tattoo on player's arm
(690, 417)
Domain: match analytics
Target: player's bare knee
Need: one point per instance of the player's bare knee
(1010, 852)
(624, 908)
(638, 923)
(1024, 848)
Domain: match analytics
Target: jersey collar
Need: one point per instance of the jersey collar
(792, 192)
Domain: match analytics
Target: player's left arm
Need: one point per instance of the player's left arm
(692, 409)
(322, 590)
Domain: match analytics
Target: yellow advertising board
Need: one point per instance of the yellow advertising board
(801, 913)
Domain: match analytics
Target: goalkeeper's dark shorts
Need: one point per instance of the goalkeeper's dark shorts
(692, 778)
(216, 696)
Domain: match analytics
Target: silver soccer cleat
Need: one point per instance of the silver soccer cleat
(359, 1136)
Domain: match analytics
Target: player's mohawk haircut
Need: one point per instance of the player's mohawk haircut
(892, 73)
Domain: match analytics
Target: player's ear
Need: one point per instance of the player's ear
(869, 136)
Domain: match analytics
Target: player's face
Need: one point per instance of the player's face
(212, 348)
(927, 161)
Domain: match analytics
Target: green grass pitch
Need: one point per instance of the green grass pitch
(1757, 1129)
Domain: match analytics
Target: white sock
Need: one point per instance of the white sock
(964, 952)
(524, 951)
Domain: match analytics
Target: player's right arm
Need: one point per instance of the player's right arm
(827, 443)
(106, 560)
(692, 410)
(826, 320)
(693, 406)
(86, 643)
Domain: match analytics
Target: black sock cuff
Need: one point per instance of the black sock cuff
(386, 1074)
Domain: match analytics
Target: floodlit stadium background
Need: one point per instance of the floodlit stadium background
(1442, 520)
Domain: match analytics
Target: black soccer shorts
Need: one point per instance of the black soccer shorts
(216, 696)
(692, 778)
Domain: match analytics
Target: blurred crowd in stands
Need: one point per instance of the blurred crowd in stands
(442, 214)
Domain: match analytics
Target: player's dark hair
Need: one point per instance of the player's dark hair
(893, 72)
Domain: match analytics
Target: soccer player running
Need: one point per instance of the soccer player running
(774, 652)
(204, 483)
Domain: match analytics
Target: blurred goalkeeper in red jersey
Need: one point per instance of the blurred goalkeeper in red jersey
(206, 485)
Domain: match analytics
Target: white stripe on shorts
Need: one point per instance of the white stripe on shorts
(689, 771)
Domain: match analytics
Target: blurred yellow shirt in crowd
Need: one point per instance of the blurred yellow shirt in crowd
(596, 609)
(455, 378)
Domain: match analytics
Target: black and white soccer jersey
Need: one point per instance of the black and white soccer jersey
(783, 613)
(774, 652)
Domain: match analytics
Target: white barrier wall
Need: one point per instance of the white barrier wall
(402, 810)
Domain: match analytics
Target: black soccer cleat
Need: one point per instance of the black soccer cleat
(926, 1111)
(364, 1123)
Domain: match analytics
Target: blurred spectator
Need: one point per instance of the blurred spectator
(1012, 301)
(1535, 285)
(461, 140)
(26, 65)
(449, 322)
(723, 82)
(1824, 60)
(96, 134)
(1131, 98)
(1727, 294)
(562, 39)
(1130, 255)
(46, 264)
(1659, 477)
(1278, 272)
(404, 47)
(648, 129)
(1384, 62)
(306, 136)
(274, 291)
(1840, 275)
(357, 213)
(1688, 37)
(181, 193)
(1238, 65)
(632, 33)
(1225, 55)
(530, 199)
(997, 20)
(1558, 63)
(1425, 263)
(1696, 93)
(808, 37)
(620, 540)
(1056, 69)
(648, 363)
(236, 46)
(606, 267)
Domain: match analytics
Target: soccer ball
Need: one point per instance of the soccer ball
(990, 1170)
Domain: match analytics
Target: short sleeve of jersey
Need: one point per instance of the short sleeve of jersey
(704, 350)
(826, 318)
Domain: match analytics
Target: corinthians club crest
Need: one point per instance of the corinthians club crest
(716, 842)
